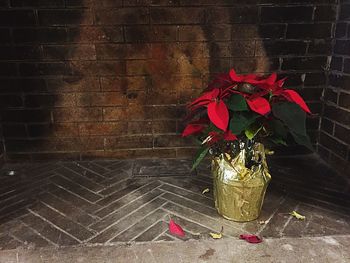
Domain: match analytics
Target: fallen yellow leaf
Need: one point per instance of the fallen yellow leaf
(206, 190)
(216, 235)
(297, 215)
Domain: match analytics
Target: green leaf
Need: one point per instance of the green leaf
(252, 131)
(237, 103)
(201, 153)
(241, 121)
(278, 141)
(292, 116)
(303, 140)
(278, 128)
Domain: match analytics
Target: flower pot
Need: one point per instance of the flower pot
(239, 191)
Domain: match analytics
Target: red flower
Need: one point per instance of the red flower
(216, 108)
(215, 136)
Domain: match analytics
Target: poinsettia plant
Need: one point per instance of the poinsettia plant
(245, 108)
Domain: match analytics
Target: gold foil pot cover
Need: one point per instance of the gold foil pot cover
(239, 191)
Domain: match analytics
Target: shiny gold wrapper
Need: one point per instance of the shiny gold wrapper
(238, 191)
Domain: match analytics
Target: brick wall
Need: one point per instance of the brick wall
(334, 142)
(109, 78)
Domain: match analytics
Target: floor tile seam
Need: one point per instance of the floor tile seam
(311, 200)
(282, 201)
(172, 185)
(116, 222)
(137, 189)
(39, 234)
(196, 202)
(142, 232)
(70, 204)
(71, 192)
(86, 178)
(87, 168)
(157, 208)
(55, 226)
(87, 189)
(160, 220)
(119, 182)
(184, 217)
(67, 217)
(116, 211)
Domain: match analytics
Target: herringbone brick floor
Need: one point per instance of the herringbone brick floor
(102, 202)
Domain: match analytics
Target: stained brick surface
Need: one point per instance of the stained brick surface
(103, 202)
(116, 75)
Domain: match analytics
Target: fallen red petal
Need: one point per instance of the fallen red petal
(218, 114)
(251, 238)
(259, 105)
(175, 229)
(293, 96)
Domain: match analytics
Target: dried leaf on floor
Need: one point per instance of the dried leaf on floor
(206, 190)
(297, 215)
(217, 235)
(176, 229)
(251, 238)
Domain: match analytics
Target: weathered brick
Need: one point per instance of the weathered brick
(65, 17)
(77, 114)
(281, 47)
(344, 100)
(53, 130)
(69, 52)
(5, 36)
(309, 63)
(342, 133)
(101, 99)
(306, 31)
(331, 95)
(333, 144)
(178, 15)
(325, 13)
(286, 14)
(37, 3)
(344, 12)
(122, 16)
(92, 34)
(20, 53)
(123, 51)
(103, 128)
(321, 47)
(26, 116)
(327, 126)
(10, 101)
(340, 30)
(337, 114)
(198, 33)
(15, 18)
(233, 15)
(128, 142)
(342, 47)
(150, 33)
(40, 35)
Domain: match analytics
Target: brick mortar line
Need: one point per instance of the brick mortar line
(288, 221)
(112, 185)
(145, 230)
(116, 222)
(87, 168)
(203, 215)
(114, 211)
(163, 233)
(53, 225)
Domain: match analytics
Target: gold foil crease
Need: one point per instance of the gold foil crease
(239, 191)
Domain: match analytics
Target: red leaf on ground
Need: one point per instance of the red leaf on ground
(218, 114)
(175, 229)
(259, 105)
(293, 96)
(251, 238)
(192, 129)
